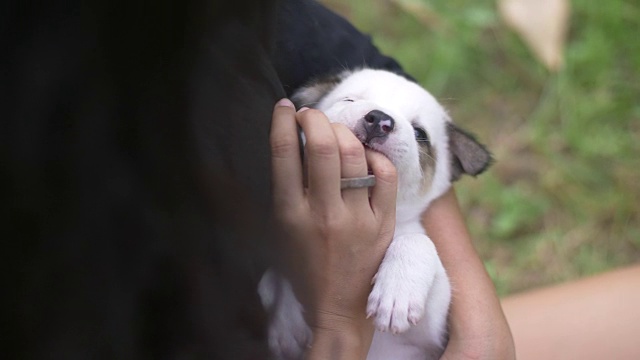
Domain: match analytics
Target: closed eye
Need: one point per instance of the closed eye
(347, 99)
(421, 135)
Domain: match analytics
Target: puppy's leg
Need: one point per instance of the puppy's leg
(289, 334)
(427, 339)
(403, 283)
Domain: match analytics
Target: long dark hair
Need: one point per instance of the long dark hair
(135, 178)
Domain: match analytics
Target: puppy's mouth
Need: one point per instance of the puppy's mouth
(372, 143)
(376, 144)
(374, 147)
(366, 146)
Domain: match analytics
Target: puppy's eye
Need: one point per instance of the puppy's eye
(347, 99)
(420, 134)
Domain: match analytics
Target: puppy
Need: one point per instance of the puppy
(411, 293)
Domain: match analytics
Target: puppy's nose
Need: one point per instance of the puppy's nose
(378, 124)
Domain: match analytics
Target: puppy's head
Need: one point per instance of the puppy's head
(400, 119)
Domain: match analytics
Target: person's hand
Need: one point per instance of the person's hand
(339, 237)
(477, 327)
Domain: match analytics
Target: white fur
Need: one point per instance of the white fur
(411, 293)
(288, 331)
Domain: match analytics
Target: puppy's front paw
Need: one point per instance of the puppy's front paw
(289, 335)
(396, 304)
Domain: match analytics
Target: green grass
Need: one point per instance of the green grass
(563, 199)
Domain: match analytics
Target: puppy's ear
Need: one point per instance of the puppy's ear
(468, 156)
(311, 94)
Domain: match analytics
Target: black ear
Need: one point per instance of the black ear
(311, 94)
(468, 156)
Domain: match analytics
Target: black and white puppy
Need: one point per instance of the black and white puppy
(411, 293)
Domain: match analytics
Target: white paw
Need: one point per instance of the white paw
(401, 286)
(289, 334)
(396, 305)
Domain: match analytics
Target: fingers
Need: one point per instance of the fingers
(383, 194)
(352, 163)
(323, 159)
(332, 152)
(285, 155)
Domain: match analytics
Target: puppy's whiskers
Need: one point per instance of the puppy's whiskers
(426, 154)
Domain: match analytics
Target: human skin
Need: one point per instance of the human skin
(593, 318)
(346, 233)
(477, 326)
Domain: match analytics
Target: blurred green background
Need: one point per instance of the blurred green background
(562, 200)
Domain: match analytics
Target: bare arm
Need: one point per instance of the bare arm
(593, 318)
(477, 326)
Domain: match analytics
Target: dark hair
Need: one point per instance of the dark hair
(135, 169)
(136, 179)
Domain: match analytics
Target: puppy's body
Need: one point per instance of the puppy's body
(410, 298)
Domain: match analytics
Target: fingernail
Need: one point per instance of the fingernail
(285, 102)
(304, 108)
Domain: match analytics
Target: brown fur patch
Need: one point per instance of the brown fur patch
(313, 92)
(428, 157)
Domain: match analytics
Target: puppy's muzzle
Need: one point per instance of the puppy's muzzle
(377, 124)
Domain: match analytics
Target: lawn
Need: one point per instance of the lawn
(563, 198)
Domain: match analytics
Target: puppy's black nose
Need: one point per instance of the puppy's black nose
(378, 124)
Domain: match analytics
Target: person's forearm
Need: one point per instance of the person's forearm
(473, 290)
(593, 318)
